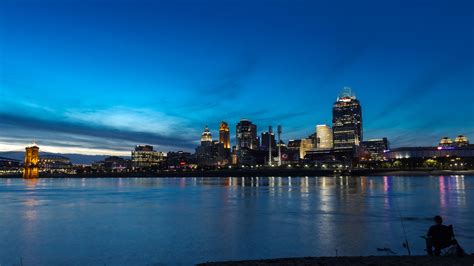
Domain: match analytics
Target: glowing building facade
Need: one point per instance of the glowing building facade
(224, 135)
(305, 146)
(145, 157)
(445, 142)
(374, 149)
(212, 153)
(31, 163)
(347, 121)
(246, 135)
(323, 137)
(206, 137)
(55, 164)
(461, 141)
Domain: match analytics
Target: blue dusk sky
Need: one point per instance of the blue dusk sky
(98, 77)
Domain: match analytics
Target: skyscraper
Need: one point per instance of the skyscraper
(31, 162)
(224, 135)
(206, 137)
(267, 139)
(346, 120)
(246, 135)
(323, 137)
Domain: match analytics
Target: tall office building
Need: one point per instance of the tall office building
(31, 163)
(246, 135)
(323, 137)
(346, 120)
(213, 153)
(267, 139)
(224, 135)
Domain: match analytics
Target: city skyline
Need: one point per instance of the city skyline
(77, 83)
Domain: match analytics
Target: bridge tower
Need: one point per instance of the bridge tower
(31, 168)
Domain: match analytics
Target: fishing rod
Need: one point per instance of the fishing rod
(405, 245)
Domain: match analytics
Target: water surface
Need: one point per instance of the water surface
(160, 221)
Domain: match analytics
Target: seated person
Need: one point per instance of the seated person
(439, 237)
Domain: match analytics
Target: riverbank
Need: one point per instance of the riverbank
(295, 172)
(370, 260)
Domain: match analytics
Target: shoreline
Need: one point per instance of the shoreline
(257, 173)
(368, 260)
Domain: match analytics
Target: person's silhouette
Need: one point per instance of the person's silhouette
(439, 237)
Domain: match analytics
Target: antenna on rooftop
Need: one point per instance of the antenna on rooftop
(346, 93)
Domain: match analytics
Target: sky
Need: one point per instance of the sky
(99, 77)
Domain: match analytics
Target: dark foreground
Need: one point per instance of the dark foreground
(371, 260)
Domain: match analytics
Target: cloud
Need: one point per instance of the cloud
(128, 119)
(77, 136)
(170, 125)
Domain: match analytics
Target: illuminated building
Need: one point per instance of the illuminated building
(54, 164)
(294, 144)
(305, 145)
(31, 167)
(328, 157)
(347, 121)
(234, 156)
(444, 156)
(292, 151)
(115, 163)
(446, 142)
(430, 152)
(461, 141)
(112, 164)
(246, 135)
(224, 135)
(324, 137)
(375, 148)
(145, 157)
(8, 165)
(180, 160)
(211, 153)
(206, 137)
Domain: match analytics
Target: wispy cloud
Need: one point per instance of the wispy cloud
(128, 119)
(78, 136)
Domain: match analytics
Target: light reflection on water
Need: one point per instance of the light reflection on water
(123, 221)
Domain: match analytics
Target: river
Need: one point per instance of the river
(170, 221)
